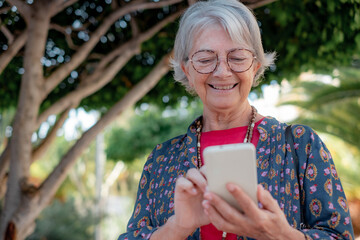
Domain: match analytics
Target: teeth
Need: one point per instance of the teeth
(223, 87)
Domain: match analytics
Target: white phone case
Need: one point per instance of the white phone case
(231, 163)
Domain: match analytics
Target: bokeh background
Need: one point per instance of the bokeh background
(86, 93)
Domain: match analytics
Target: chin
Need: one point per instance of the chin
(225, 106)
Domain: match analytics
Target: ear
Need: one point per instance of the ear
(185, 69)
(256, 67)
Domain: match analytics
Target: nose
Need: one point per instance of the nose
(222, 68)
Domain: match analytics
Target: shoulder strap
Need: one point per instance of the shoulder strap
(289, 139)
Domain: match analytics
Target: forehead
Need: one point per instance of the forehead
(214, 38)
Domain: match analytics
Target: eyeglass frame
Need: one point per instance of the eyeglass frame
(227, 59)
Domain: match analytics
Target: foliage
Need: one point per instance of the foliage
(148, 129)
(332, 108)
(136, 69)
(82, 18)
(310, 35)
(307, 35)
(63, 221)
(5, 122)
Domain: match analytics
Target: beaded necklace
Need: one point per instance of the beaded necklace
(247, 139)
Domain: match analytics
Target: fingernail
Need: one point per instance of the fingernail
(231, 187)
(194, 191)
(207, 196)
(205, 204)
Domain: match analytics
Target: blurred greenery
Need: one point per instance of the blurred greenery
(6, 117)
(311, 35)
(77, 193)
(150, 127)
(331, 107)
(64, 221)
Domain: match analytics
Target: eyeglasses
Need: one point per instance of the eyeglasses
(206, 61)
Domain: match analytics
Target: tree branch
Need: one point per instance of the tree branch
(7, 33)
(4, 10)
(68, 38)
(56, 77)
(92, 83)
(49, 187)
(59, 5)
(102, 74)
(51, 136)
(114, 5)
(4, 166)
(141, 38)
(134, 27)
(62, 29)
(64, 4)
(97, 56)
(37, 152)
(259, 3)
(12, 50)
(24, 9)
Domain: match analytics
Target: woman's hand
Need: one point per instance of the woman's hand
(189, 191)
(189, 212)
(268, 222)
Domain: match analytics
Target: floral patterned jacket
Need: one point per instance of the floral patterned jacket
(326, 210)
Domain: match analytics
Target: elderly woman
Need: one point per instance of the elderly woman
(219, 56)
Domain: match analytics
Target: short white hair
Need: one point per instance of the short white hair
(237, 19)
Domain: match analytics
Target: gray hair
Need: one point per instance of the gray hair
(238, 20)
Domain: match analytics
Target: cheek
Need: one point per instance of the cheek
(246, 78)
(196, 80)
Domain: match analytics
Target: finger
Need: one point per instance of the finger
(197, 178)
(203, 171)
(184, 185)
(227, 211)
(248, 206)
(267, 200)
(216, 218)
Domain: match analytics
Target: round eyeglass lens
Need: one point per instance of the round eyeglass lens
(240, 60)
(204, 61)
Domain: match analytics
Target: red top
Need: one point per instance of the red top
(221, 137)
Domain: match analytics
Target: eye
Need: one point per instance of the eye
(235, 59)
(205, 60)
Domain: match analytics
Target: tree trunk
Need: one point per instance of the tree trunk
(33, 200)
(25, 119)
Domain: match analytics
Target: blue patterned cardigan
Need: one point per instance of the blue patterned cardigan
(326, 209)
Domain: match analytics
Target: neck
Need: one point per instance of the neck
(226, 120)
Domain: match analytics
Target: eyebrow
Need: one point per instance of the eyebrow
(229, 50)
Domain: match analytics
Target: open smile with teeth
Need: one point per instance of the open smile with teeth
(227, 87)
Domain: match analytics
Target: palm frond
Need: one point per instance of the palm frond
(328, 108)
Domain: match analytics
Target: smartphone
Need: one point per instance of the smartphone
(234, 163)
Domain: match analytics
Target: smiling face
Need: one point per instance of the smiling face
(222, 89)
